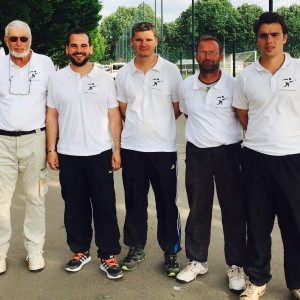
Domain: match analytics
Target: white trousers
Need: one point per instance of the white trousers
(24, 158)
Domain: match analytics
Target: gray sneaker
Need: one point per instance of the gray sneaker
(171, 264)
(135, 255)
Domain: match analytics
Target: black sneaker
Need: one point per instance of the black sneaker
(78, 261)
(134, 256)
(111, 267)
(171, 264)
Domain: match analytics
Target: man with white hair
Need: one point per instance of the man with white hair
(23, 90)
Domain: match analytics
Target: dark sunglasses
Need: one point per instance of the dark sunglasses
(23, 39)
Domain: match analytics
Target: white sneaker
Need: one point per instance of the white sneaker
(2, 264)
(252, 291)
(295, 293)
(193, 269)
(36, 261)
(236, 278)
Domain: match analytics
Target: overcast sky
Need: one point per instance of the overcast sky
(173, 8)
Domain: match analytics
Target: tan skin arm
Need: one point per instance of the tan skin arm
(52, 134)
(115, 122)
(122, 108)
(242, 115)
(177, 111)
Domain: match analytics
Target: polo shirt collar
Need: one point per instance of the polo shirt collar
(157, 67)
(197, 84)
(287, 61)
(92, 74)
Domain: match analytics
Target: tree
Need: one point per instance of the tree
(116, 28)
(112, 27)
(245, 37)
(292, 17)
(27, 12)
(98, 45)
(50, 21)
(212, 17)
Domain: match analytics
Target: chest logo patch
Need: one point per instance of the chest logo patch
(156, 82)
(288, 84)
(91, 86)
(221, 99)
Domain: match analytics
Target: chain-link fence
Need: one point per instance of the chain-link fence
(180, 22)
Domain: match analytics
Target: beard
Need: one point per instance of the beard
(81, 63)
(20, 55)
(209, 68)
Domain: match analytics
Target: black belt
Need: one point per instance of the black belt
(19, 133)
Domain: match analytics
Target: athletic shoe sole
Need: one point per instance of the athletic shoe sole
(70, 269)
(36, 269)
(237, 292)
(171, 274)
(110, 276)
(187, 281)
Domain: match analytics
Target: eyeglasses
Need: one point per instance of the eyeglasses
(23, 39)
(210, 53)
(10, 77)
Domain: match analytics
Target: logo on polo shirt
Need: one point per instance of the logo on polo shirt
(91, 86)
(288, 84)
(156, 82)
(33, 74)
(221, 99)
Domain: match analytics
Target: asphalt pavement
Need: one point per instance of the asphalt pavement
(148, 281)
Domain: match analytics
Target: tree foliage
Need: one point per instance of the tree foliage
(50, 21)
(292, 17)
(119, 24)
(245, 37)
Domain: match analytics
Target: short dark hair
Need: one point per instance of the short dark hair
(143, 26)
(78, 30)
(269, 18)
(210, 38)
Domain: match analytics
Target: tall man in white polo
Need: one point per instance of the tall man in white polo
(267, 99)
(213, 136)
(23, 91)
(83, 109)
(147, 90)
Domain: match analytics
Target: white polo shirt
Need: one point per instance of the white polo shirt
(82, 104)
(273, 102)
(23, 98)
(211, 119)
(150, 124)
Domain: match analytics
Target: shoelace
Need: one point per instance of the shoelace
(79, 255)
(171, 259)
(236, 272)
(111, 262)
(193, 266)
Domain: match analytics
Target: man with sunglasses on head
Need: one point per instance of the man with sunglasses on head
(83, 109)
(267, 101)
(214, 137)
(23, 90)
(147, 90)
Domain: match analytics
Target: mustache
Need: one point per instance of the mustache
(79, 53)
